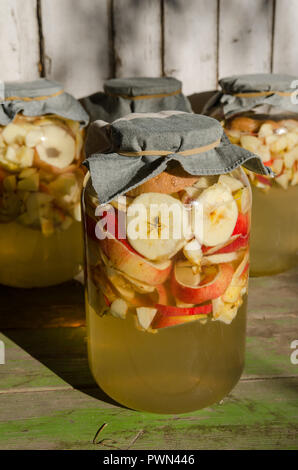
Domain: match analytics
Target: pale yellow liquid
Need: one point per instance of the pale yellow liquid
(179, 369)
(29, 259)
(274, 232)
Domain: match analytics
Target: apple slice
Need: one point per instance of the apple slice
(145, 316)
(185, 273)
(220, 214)
(133, 264)
(170, 310)
(157, 225)
(242, 224)
(220, 258)
(237, 243)
(210, 288)
(164, 321)
(57, 147)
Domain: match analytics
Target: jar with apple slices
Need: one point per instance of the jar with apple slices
(40, 186)
(167, 265)
(259, 114)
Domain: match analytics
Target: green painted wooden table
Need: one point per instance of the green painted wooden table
(48, 399)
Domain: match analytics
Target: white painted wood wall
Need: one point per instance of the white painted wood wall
(83, 42)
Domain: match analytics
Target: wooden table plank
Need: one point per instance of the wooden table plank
(70, 419)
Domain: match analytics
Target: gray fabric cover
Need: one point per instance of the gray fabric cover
(104, 106)
(253, 83)
(113, 174)
(63, 105)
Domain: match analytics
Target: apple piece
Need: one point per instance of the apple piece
(234, 135)
(242, 224)
(133, 264)
(279, 144)
(162, 294)
(264, 180)
(30, 183)
(14, 133)
(166, 183)
(250, 142)
(157, 225)
(236, 244)
(245, 124)
(220, 258)
(140, 287)
(220, 214)
(193, 252)
(182, 311)
(145, 316)
(57, 147)
(223, 311)
(243, 199)
(119, 308)
(34, 137)
(207, 290)
(185, 274)
(265, 130)
(10, 183)
(164, 321)
(283, 180)
(233, 183)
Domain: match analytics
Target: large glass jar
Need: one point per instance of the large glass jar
(167, 317)
(40, 187)
(258, 114)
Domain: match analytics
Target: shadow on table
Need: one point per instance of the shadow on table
(49, 324)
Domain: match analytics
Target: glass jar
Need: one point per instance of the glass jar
(274, 137)
(40, 187)
(166, 314)
(258, 114)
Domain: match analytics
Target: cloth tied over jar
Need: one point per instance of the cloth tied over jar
(123, 96)
(37, 98)
(131, 150)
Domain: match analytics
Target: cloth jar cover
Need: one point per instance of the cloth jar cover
(131, 150)
(244, 92)
(123, 96)
(38, 98)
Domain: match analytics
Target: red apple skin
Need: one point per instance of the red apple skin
(182, 311)
(263, 180)
(163, 321)
(213, 289)
(240, 242)
(133, 264)
(242, 224)
(162, 294)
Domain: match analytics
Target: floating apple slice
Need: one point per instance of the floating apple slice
(157, 225)
(220, 214)
(145, 316)
(211, 287)
(219, 258)
(182, 311)
(224, 311)
(238, 282)
(186, 275)
(133, 264)
(242, 224)
(119, 308)
(243, 199)
(57, 147)
(233, 183)
(162, 294)
(239, 242)
(193, 252)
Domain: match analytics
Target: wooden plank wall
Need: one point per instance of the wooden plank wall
(83, 43)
